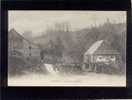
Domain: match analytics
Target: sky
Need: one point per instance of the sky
(39, 21)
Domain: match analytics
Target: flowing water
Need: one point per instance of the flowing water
(54, 78)
(50, 68)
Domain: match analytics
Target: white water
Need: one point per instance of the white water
(50, 68)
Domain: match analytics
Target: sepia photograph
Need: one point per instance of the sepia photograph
(67, 48)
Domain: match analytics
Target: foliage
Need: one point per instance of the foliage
(75, 44)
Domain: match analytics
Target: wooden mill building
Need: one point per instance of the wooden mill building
(101, 55)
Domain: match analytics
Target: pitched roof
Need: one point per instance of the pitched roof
(21, 37)
(13, 31)
(101, 47)
(94, 47)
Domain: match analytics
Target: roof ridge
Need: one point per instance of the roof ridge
(94, 47)
(22, 36)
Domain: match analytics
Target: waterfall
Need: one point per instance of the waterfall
(50, 68)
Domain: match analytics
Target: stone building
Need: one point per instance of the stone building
(17, 42)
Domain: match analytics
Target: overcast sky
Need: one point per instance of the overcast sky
(38, 21)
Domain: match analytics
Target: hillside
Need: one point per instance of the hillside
(76, 43)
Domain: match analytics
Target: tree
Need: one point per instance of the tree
(59, 47)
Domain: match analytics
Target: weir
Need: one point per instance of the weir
(50, 68)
